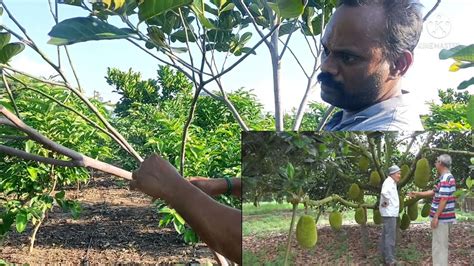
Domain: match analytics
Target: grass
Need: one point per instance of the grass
(409, 254)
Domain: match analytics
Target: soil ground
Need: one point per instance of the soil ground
(346, 248)
(116, 226)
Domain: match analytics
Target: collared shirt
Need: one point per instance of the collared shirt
(393, 114)
(389, 194)
(445, 190)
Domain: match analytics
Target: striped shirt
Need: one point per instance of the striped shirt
(445, 190)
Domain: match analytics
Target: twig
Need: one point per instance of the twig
(467, 153)
(242, 58)
(297, 60)
(254, 23)
(288, 39)
(10, 94)
(325, 118)
(432, 10)
(191, 112)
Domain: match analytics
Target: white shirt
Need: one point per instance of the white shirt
(389, 194)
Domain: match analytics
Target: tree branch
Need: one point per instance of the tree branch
(432, 10)
(78, 159)
(10, 94)
(467, 153)
(325, 118)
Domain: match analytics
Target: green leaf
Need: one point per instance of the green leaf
(287, 28)
(198, 9)
(288, 8)
(228, 7)
(472, 160)
(181, 36)
(10, 50)
(463, 85)
(150, 8)
(4, 38)
(290, 170)
(28, 145)
(75, 30)
(70, 2)
(33, 173)
(460, 53)
(469, 182)
(60, 195)
(245, 38)
(470, 111)
(21, 220)
(179, 218)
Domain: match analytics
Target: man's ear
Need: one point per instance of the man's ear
(401, 65)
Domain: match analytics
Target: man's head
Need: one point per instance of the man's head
(443, 163)
(394, 173)
(368, 46)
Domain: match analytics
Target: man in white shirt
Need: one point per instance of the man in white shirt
(389, 207)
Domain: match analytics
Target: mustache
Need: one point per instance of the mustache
(327, 80)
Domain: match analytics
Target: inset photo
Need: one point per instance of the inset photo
(364, 198)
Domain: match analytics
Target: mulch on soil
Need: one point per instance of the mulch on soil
(116, 226)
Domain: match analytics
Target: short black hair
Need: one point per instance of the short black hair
(404, 23)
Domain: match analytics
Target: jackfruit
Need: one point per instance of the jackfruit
(306, 232)
(374, 179)
(360, 198)
(425, 211)
(364, 164)
(404, 171)
(413, 211)
(354, 191)
(360, 216)
(422, 173)
(401, 198)
(405, 222)
(377, 217)
(335, 220)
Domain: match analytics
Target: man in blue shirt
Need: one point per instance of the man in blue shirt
(368, 47)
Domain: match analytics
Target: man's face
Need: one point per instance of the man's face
(354, 70)
(396, 176)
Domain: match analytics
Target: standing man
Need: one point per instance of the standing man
(442, 209)
(389, 207)
(368, 47)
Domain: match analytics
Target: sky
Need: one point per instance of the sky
(450, 25)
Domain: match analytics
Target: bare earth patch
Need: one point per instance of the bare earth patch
(116, 226)
(345, 247)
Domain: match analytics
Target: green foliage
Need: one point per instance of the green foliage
(452, 114)
(464, 58)
(150, 8)
(28, 186)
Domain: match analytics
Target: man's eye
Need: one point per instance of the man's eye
(348, 59)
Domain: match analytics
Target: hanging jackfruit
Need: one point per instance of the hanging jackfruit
(360, 198)
(377, 217)
(335, 220)
(422, 173)
(413, 211)
(405, 222)
(364, 164)
(374, 179)
(401, 198)
(425, 211)
(306, 232)
(404, 171)
(354, 192)
(360, 216)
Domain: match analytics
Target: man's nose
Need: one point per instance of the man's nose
(329, 65)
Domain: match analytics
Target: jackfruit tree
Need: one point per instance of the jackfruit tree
(327, 172)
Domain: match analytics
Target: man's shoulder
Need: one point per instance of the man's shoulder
(394, 114)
